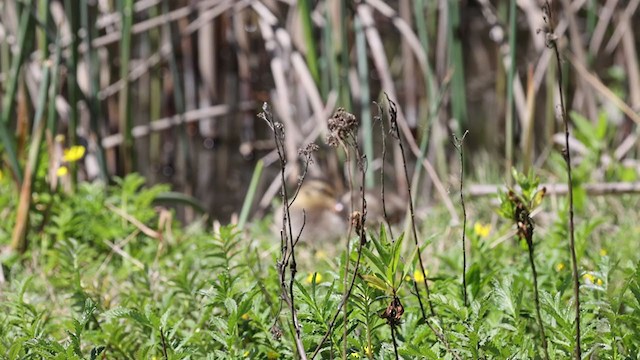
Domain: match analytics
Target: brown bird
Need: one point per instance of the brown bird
(323, 215)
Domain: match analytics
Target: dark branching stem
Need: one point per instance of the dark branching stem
(393, 118)
(551, 41)
(395, 342)
(343, 127)
(164, 345)
(345, 297)
(458, 143)
(525, 227)
(543, 337)
(287, 242)
(384, 155)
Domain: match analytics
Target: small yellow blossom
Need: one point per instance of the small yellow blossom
(481, 230)
(603, 252)
(62, 171)
(599, 282)
(245, 316)
(368, 351)
(245, 354)
(355, 355)
(418, 276)
(309, 278)
(589, 278)
(559, 267)
(74, 153)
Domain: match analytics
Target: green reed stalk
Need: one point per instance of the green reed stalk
(309, 39)
(25, 31)
(19, 235)
(251, 192)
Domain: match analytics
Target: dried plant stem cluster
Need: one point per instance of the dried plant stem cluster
(343, 130)
(287, 241)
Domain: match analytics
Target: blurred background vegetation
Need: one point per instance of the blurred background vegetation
(93, 89)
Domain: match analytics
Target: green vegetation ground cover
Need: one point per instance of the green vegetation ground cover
(94, 285)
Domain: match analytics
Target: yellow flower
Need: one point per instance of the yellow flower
(355, 355)
(62, 171)
(245, 316)
(589, 278)
(74, 153)
(559, 267)
(603, 252)
(368, 351)
(309, 278)
(599, 282)
(418, 276)
(245, 354)
(481, 230)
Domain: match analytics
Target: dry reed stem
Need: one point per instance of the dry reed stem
(595, 82)
(596, 189)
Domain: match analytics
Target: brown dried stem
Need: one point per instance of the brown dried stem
(551, 41)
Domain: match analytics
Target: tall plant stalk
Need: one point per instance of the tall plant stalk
(25, 29)
(19, 236)
(551, 41)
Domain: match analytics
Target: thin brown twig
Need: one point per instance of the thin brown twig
(551, 41)
(458, 143)
(287, 242)
(537, 297)
(342, 131)
(395, 132)
(164, 345)
(384, 154)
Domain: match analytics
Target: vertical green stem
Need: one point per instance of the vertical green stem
(19, 235)
(309, 39)
(26, 28)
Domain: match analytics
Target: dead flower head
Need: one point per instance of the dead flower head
(393, 312)
(307, 151)
(342, 126)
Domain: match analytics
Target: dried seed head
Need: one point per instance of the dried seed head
(307, 151)
(342, 125)
(393, 312)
